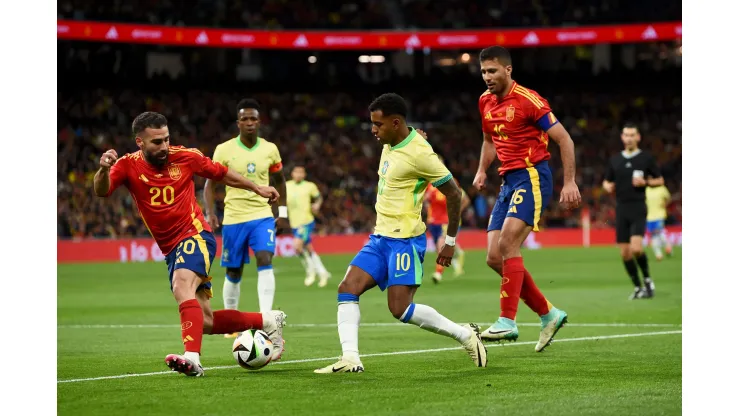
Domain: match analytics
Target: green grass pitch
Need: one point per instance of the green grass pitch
(614, 357)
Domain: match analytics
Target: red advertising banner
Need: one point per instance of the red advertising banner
(365, 40)
(145, 249)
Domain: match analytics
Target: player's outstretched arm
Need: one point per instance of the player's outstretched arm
(487, 156)
(236, 180)
(453, 193)
(101, 182)
(278, 180)
(570, 195)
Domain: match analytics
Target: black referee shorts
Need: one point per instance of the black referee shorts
(631, 219)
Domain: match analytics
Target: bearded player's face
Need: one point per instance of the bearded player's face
(155, 145)
(495, 75)
(384, 128)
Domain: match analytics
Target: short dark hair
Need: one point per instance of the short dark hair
(148, 119)
(247, 103)
(498, 53)
(390, 104)
(631, 125)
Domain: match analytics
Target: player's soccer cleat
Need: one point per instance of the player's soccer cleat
(274, 322)
(436, 278)
(232, 335)
(475, 348)
(324, 279)
(342, 366)
(457, 264)
(649, 288)
(551, 324)
(183, 365)
(310, 279)
(501, 330)
(638, 293)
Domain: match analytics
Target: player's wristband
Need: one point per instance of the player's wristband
(450, 241)
(283, 212)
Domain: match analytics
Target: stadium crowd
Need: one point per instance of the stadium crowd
(371, 14)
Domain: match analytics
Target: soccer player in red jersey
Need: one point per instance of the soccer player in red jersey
(517, 125)
(437, 221)
(160, 180)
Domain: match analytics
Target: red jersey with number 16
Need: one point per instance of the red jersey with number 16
(518, 124)
(165, 196)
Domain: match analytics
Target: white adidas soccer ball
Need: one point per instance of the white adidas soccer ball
(252, 349)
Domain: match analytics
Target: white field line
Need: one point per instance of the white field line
(383, 354)
(372, 324)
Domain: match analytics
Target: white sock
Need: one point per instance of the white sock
(656, 243)
(266, 289)
(426, 317)
(348, 324)
(192, 356)
(318, 264)
(307, 262)
(458, 250)
(231, 294)
(664, 239)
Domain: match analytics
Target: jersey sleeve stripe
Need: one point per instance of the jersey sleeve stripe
(484, 94)
(524, 93)
(442, 181)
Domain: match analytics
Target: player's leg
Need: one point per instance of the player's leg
(304, 255)
(663, 235)
(262, 243)
(405, 272)
(637, 233)
(365, 271)
(324, 274)
(653, 232)
(436, 233)
(233, 257)
(623, 242)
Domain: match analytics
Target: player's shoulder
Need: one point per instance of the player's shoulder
(129, 158)
(485, 96)
(228, 143)
(267, 144)
(182, 152)
(528, 96)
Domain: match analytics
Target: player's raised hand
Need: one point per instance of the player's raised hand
(570, 196)
(444, 258)
(108, 159)
(212, 220)
(480, 181)
(268, 192)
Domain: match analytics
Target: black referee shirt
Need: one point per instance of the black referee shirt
(622, 168)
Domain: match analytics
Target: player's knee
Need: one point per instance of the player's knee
(234, 275)
(264, 258)
(495, 262)
(507, 245)
(398, 308)
(636, 251)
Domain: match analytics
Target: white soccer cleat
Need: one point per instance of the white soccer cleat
(475, 348)
(310, 279)
(342, 366)
(273, 323)
(183, 365)
(324, 279)
(232, 335)
(551, 324)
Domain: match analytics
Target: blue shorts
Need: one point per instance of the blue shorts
(525, 194)
(436, 230)
(304, 232)
(393, 261)
(655, 226)
(194, 253)
(259, 235)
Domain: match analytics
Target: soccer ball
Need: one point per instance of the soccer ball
(252, 349)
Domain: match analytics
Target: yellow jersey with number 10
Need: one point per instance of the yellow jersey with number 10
(300, 195)
(656, 199)
(255, 164)
(405, 170)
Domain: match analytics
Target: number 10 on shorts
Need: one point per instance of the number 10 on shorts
(403, 261)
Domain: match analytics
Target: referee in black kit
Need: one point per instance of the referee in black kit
(629, 172)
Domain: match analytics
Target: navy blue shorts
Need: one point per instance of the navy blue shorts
(194, 253)
(525, 194)
(393, 261)
(436, 230)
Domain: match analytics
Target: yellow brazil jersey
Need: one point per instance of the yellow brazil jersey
(300, 195)
(255, 164)
(405, 170)
(657, 198)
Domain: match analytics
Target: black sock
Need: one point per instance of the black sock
(632, 271)
(642, 262)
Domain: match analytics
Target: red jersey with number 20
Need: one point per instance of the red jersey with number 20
(518, 124)
(165, 196)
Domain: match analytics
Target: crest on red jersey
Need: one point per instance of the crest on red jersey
(174, 172)
(510, 110)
